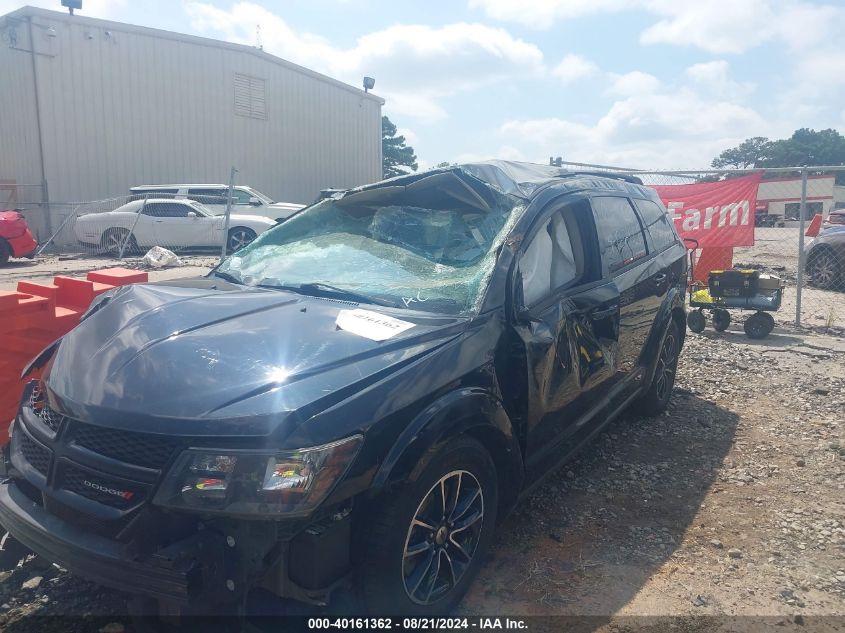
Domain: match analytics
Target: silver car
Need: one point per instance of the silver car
(825, 257)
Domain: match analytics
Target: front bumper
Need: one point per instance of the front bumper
(99, 559)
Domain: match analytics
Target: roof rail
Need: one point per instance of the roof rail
(604, 174)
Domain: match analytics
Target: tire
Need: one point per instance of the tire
(759, 325)
(404, 540)
(113, 238)
(825, 270)
(721, 319)
(656, 398)
(5, 252)
(696, 321)
(239, 237)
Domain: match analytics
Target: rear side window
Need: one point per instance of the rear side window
(657, 224)
(208, 196)
(620, 234)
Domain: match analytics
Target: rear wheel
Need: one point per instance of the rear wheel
(696, 321)
(721, 319)
(427, 541)
(655, 400)
(825, 270)
(239, 237)
(759, 325)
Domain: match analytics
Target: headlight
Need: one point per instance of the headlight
(243, 482)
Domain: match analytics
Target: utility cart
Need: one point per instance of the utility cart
(736, 289)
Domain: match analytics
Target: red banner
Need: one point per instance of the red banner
(714, 213)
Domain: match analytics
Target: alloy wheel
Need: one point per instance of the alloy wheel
(666, 365)
(443, 537)
(824, 270)
(239, 238)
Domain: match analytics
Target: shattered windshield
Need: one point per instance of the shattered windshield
(431, 247)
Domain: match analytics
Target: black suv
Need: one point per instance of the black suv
(356, 398)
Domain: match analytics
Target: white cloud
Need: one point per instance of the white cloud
(415, 66)
(504, 152)
(676, 128)
(410, 137)
(543, 14)
(574, 67)
(714, 78)
(633, 83)
(716, 26)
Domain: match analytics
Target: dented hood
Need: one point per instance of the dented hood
(182, 359)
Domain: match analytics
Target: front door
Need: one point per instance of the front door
(179, 225)
(569, 331)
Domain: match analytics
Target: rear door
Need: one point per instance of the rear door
(627, 262)
(213, 199)
(568, 329)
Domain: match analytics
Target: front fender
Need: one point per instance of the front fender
(472, 411)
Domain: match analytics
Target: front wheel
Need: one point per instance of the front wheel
(239, 237)
(426, 542)
(825, 270)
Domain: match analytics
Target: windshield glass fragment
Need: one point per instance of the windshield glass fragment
(429, 245)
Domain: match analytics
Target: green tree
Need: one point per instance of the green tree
(808, 147)
(397, 157)
(750, 153)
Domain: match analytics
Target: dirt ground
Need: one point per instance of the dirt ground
(731, 503)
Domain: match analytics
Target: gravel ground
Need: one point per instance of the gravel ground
(731, 503)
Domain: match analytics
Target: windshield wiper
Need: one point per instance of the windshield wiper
(227, 277)
(349, 294)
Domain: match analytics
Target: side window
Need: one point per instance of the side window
(166, 210)
(553, 259)
(657, 224)
(208, 196)
(620, 234)
(240, 196)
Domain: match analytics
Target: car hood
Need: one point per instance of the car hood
(208, 357)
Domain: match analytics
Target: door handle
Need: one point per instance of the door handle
(659, 278)
(604, 313)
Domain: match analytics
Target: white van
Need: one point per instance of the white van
(246, 201)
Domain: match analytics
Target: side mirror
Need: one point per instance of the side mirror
(192, 214)
(255, 202)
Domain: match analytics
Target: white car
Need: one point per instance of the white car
(245, 200)
(166, 222)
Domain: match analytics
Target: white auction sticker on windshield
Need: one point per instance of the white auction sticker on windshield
(371, 325)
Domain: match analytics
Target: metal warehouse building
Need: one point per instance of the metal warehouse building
(89, 108)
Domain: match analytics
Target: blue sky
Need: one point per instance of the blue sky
(637, 83)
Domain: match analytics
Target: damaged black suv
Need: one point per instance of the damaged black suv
(354, 399)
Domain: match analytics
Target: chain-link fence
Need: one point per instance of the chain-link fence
(129, 226)
(798, 235)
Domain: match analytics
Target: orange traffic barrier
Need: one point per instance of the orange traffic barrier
(37, 314)
(712, 258)
(815, 226)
